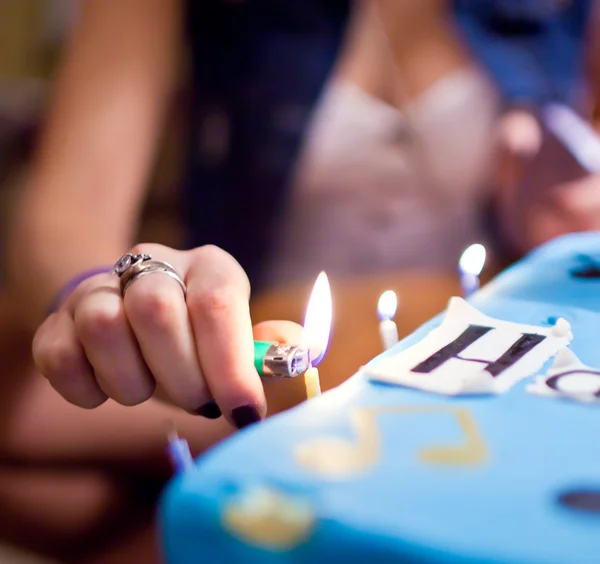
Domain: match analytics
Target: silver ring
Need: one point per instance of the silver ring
(127, 261)
(131, 267)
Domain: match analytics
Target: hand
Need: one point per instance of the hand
(569, 208)
(543, 191)
(520, 133)
(155, 342)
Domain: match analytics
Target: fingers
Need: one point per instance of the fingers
(157, 311)
(579, 202)
(59, 355)
(520, 133)
(568, 208)
(545, 222)
(217, 299)
(156, 340)
(279, 331)
(111, 347)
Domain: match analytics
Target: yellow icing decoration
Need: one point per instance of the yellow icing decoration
(472, 453)
(269, 519)
(337, 458)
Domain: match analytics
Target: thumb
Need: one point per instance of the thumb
(286, 332)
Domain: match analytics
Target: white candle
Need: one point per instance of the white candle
(317, 328)
(470, 266)
(386, 309)
(312, 382)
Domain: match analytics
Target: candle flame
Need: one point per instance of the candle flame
(387, 305)
(317, 322)
(472, 260)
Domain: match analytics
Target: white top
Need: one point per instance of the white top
(372, 194)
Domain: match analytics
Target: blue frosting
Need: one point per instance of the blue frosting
(505, 509)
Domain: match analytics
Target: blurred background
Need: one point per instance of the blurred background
(32, 33)
(419, 117)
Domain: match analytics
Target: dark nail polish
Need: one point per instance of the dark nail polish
(209, 410)
(245, 415)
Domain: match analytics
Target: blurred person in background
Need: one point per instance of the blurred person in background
(537, 52)
(356, 138)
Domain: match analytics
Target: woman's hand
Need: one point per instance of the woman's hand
(568, 208)
(543, 191)
(155, 341)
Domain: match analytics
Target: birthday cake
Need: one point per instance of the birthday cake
(472, 440)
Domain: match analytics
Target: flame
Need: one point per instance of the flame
(317, 322)
(387, 305)
(472, 260)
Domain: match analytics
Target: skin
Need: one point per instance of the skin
(418, 46)
(82, 203)
(397, 49)
(85, 489)
(80, 209)
(187, 350)
(565, 196)
(567, 204)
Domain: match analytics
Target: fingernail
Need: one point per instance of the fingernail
(209, 410)
(245, 415)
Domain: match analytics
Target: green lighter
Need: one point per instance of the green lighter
(280, 361)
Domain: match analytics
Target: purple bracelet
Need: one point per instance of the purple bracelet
(70, 286)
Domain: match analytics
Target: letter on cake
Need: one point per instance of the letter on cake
(568, 378)
(471, 353)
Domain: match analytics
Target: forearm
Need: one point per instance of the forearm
(87, 183)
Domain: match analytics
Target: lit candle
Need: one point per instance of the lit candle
(386, 309)
(312, 383)
(317, 328)
(469, 268)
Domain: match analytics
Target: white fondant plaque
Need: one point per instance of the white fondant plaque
(568, 378)
(471, 353)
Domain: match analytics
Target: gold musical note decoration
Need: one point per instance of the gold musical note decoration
(336, 458)
(471, 453)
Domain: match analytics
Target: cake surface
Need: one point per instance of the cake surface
(377, 472)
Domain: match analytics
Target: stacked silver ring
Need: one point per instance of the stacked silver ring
(130, 268)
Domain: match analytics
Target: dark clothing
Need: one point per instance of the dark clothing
(260, 65)
(533, 49)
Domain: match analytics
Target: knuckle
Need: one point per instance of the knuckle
(94, 322)
(152, 306)
(39, 348)
(213, 254)
(213, 302)
(58, 360)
